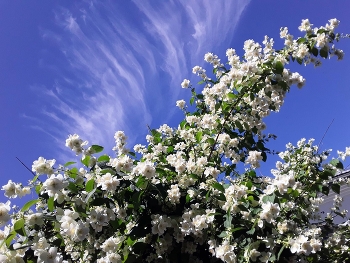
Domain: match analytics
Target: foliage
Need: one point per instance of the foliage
(164, 202)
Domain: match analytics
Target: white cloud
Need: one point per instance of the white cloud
(119, 69)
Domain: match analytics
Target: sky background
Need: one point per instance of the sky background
(95, 67)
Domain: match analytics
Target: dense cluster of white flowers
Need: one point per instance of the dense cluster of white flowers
(167, 205)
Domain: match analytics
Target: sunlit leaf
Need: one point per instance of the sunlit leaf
(68, 164)
(29, 204)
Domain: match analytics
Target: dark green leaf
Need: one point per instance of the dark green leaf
(140, 247)
(239, 126)
(221, 197)
(194, 176)
(29, 204)
(324, 52)
(72, 187)
(336, 188)
(280, 252)
(142, 182)
(200, 96)
(279, 67)
(324, 189)
(338, 164)
(97, 148)
(314, 51)
(218, 186)
(326, 174)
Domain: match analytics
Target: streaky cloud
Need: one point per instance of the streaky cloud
(119, 65)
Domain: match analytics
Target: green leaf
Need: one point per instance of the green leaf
(9, 238)
(19, 227)
(199, 136)
(221, 197)
(194, 176)
(72, 187)
(136, 198)
(103, 158)
(279, 67)
(140, 247)
(223, 234)
(314, 51)
(68, 164)
(324, 52)
(336, 188)
(301, 40)
(97, 148)
(72, 173)
(87, 199)
(200, 96)
(90, 185)
(269, 198)
(239, 126)
(231, 96)
(236, 229)
(192, 100)
(228, 220)
(51, 204)
(38, 188)
(280, 252)
(142, 182)
(324, 189)
(29, 204)
(251, 231)
(86, 160)
(188, 198)
(35, 178)
(218, 186)
(211, 141)
(326, 174)
(338, 164)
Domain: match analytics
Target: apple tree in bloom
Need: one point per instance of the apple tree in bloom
(181, 197)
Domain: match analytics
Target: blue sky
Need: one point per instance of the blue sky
(94, 67)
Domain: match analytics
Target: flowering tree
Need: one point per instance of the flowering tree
(164, 202)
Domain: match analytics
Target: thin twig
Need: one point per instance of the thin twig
(324, 135)
(25, 166)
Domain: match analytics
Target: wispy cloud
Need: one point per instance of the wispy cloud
(124, 64)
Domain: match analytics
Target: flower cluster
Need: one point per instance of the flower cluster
(169, 203)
